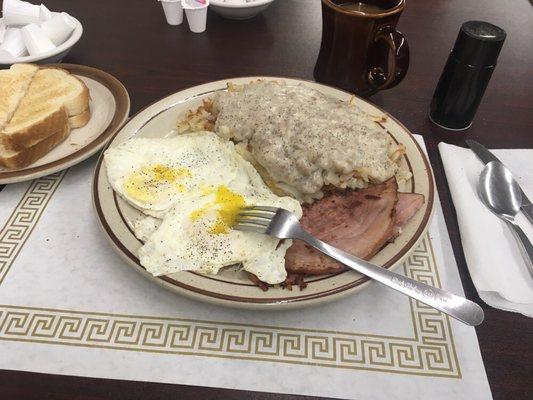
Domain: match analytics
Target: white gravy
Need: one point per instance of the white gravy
(303, 138)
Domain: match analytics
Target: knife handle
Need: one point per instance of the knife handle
(525, 244)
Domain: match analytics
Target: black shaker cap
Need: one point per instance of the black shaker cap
(479, 43)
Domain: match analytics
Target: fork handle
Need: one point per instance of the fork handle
(457, 307)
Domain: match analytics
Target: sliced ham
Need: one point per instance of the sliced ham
(407, 206)
(360, 222)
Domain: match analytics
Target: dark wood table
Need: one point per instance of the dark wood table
(131, 40)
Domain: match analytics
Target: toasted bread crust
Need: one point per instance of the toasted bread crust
(77, 121)
(23, 158)
(35, 133)
(83, 100)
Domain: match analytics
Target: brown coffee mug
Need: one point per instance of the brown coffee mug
(361, 50)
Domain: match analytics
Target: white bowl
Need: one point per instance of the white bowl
(239, 11)
(49, 57)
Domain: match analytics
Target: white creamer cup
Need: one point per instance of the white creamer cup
(5, 55)
(173, 11)
(59, 28)
(196, 13)
(13, 43)
(36, 40)
(16, 12)
(44, 13)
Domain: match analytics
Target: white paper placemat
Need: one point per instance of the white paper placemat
(70, 305)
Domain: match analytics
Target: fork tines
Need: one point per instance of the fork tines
(255, 218)
(260, 208)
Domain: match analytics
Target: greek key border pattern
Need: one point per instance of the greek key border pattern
(24, 218)
(431, 352)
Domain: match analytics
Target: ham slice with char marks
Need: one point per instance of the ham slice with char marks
(360, 222)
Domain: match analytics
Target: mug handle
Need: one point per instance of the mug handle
(399, 62)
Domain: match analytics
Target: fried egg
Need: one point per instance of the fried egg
(194, 185)
(154, 174)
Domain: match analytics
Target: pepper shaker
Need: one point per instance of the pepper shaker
(466, 75)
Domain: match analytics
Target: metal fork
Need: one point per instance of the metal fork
(284, 224)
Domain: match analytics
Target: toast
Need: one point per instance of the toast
(79, 120)
(53, 95)
(16, 159)
(27, 136)
(14, 83)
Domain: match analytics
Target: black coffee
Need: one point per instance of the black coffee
(362, 7)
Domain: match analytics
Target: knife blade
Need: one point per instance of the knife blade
(486, 156)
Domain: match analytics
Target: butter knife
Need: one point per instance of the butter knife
(486, 157)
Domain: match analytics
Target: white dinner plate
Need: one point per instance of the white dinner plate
(232, 287)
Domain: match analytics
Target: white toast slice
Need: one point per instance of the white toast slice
(16, 159)
(79, 120)
(53, 95)
(50, 121)
(14, 83)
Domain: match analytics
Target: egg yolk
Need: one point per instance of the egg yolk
(148, 183)
(227, 204)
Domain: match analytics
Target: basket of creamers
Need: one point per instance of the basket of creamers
(33, 33)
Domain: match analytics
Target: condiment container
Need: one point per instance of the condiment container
(16, 12)
(466, 75)
(36, 40)
(13, 43)
(59, 28)
(196, 13)
(173, 11)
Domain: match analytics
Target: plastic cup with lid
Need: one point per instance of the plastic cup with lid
(196, 12)
(36, 40)
(13, 43)
(173, 11)
(59, 28)
(16, 12)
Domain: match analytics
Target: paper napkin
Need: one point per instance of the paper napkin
(492, 253)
